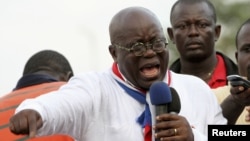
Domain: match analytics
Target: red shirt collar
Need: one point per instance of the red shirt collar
(116, 71)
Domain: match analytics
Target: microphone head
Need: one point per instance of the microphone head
(175, 105)
(160, 93)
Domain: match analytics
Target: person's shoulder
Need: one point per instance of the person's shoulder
(192, 85)
(225, 57)
(90, 76)
(47, 86)
(188, 81)
(92, 73)
(231, 66)
(185, 77)
(17, 96)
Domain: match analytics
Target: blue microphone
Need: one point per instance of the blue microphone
(160, 96)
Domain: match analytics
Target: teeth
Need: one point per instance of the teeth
(150, 72)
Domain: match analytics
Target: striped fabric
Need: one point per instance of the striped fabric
(9, 103)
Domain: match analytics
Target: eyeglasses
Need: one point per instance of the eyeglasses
(140, 48)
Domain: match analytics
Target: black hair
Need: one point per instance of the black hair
(53, 60)
(210, 5)
(237, 34)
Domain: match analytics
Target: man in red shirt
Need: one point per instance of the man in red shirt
(194, 32)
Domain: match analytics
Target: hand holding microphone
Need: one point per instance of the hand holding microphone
(168, 123)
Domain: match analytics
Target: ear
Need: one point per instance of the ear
(113, 53)
(170, 34)
(217, 32)
(63, 76)
(69, 75)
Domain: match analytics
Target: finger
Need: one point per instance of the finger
(32, 121)
(237, 89)
(248, 108)
(167, 133)
(241, 88)
(14, 125)
(12, 128)
(247, 117)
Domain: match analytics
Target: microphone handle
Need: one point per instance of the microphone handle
(161, 109)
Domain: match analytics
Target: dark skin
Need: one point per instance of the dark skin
(240, 97)
(141, 71)
(194, 32)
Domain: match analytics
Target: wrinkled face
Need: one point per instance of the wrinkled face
(193, 31)
(143, 70)
(243, 50)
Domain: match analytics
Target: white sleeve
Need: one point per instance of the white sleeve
(67, 110)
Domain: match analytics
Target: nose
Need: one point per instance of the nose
(148, 46)
(149, 50)
(193, 31)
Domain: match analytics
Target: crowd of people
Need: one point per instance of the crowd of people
(49, 102)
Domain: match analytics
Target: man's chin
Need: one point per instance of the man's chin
(196, 59)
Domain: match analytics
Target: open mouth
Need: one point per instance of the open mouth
(150, 71)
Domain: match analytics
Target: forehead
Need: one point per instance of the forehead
(140, 20)
(197, 11)
(137, 25)
(244, 35)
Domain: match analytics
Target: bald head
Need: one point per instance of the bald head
(128, 19)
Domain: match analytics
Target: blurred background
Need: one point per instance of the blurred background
(79, 30)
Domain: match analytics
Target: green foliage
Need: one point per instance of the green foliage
(230, 15)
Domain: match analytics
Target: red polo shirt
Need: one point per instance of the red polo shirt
(218, 77)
